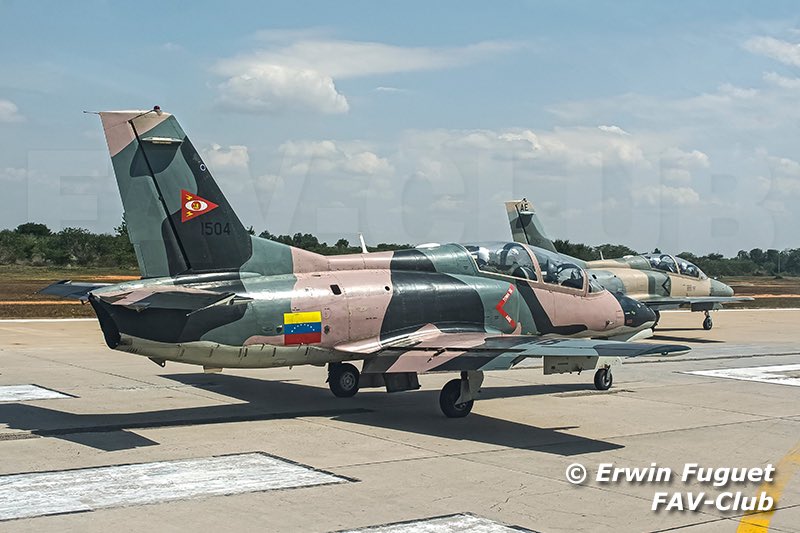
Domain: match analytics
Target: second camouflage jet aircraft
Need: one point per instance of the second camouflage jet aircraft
(660, 281)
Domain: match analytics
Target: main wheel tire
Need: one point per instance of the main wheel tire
(448, 398)
(603, 379)
(343, 380)
(708, 323)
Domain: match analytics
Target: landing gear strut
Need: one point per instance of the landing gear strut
(458, 395)
(658, 317)
(343, 379)
(603, 379)
(707, 322)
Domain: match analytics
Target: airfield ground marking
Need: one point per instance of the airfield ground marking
(761, 374)
(758, 522)
(23, 393)
(442, 524)
(35, 494)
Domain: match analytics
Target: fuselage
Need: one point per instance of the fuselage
(336, 308)
(654, 276)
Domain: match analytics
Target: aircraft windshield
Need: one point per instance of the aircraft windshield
(689, 269)
(663, 262)
(509, 259)
(558, 271)
(676, 265)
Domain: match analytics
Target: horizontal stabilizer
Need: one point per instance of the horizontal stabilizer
(75, 290)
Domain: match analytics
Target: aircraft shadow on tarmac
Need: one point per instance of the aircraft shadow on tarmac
(674, 338)
(413, 412)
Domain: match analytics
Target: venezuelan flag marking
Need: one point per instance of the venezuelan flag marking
(302, 328)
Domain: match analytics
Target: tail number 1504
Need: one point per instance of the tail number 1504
(215, 228)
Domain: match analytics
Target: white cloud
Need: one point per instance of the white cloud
(9, 111)
(394, 90)
(666, 196)
(169, 46)
(351, 59)
(333, 157)
(677, 165)
(613, 129)
(782, 81)
(277, 88)
(11, 175)
(232, 158)
(301, 74)
(269, 183)
(785, 176)
(783, 51)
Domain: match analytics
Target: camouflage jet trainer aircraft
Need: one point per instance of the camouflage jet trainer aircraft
(660, 281)
(213, 295)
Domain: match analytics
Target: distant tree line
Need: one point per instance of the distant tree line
(35, 244)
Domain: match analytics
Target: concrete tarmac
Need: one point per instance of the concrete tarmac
(379, 458)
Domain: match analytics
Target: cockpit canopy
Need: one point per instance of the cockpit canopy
(521, 262)
(676, 265)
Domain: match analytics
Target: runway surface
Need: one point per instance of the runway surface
(92, 439)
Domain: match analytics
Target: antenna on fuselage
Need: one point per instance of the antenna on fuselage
(363, 244)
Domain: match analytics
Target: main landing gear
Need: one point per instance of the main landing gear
(456, 399)
(343, 379)
(458, 395)
(707, 322)
(603, 378)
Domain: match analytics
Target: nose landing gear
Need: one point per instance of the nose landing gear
(707, 322)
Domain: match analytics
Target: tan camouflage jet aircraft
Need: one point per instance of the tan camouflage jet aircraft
(213, 295)
(660, 281)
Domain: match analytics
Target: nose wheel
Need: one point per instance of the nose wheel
(603, 379)
(343, 379)
(707, 322)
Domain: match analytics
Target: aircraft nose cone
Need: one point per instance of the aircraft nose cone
(636, 313)
(720, 289)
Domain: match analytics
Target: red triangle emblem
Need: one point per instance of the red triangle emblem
(192, 206)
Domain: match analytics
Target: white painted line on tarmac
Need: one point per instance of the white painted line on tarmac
(24, 393)
(86, 489)
(44, 320)
(443, 524)
(778, 374)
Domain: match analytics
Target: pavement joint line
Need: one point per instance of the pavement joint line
(708, 358)
(674, 402)
(706, 426)
(81, 367)
(363, 434)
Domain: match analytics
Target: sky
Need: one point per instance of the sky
(672, 125)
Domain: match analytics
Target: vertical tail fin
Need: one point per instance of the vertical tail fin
(525, 225)
(178, 219)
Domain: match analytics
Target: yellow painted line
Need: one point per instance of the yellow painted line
(758, 521)
(302, 318)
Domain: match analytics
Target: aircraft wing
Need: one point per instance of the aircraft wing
(75, 290)
(448, 352)
(696, 303)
